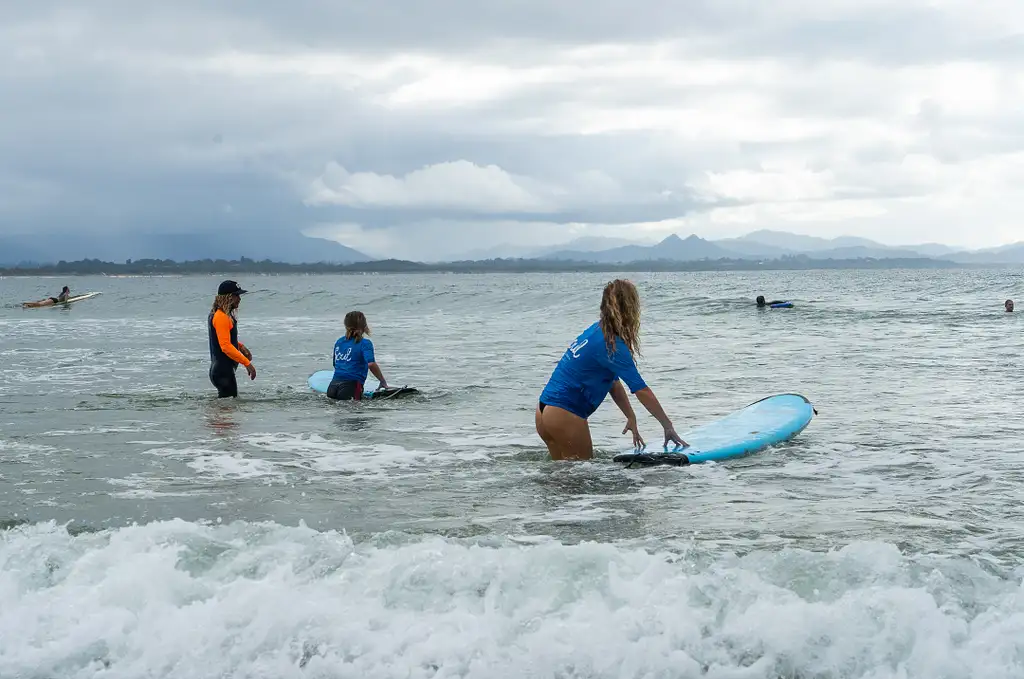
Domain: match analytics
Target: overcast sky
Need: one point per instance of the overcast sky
(429, 128)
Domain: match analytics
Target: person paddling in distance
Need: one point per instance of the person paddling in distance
(226, 352)
(589, 370)
(353, 359)
(50, 301)
(762, 304)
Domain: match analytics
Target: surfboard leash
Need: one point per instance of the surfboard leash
(396, 392)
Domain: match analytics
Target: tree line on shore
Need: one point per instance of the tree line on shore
(267, 266)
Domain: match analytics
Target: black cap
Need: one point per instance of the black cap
(230, 288)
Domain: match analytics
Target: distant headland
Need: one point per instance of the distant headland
(95, 267)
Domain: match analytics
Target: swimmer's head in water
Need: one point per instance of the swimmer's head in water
(356, 326)
(1009, 305)
(760, 300)
(620, 315)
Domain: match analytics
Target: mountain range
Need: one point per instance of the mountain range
(767, 245)
(584, 244)
(296, 248)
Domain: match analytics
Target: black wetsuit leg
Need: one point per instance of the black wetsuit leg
(222, 376)
(345, 390)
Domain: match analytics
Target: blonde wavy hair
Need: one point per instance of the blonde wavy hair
(223, 303)
(620, 315)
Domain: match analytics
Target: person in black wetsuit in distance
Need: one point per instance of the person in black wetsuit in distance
(761, 303)
(226, 352)
(1009, 306)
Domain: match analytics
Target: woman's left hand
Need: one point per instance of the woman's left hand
(638, 441)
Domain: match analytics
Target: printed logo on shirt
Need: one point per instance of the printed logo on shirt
(338, 356)
(575, 348)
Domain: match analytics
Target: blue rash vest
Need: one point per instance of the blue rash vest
(352, 359)
(586, 372)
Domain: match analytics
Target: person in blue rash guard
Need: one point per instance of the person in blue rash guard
(589, 370)
(353, 359)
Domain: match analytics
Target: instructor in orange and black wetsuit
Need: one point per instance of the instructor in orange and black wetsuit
(226, 352)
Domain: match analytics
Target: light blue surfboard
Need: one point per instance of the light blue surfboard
(762, 424)
(321, 379)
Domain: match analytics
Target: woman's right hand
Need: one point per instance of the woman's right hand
(671, 435)
(650, 401)
(251, 369)
(631, 425)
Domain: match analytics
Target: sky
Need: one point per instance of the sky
(428, 129)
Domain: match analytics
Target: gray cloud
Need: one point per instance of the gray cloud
(379, 28)
(912, 31)
(716, 117)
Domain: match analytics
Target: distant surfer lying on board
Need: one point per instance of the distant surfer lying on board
(353, 359)
(50, 301)
(589, 370)
(761, 303)
(226, 352)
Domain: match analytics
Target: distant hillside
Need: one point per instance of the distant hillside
(288, 247)
(860, 251)
(582, 244)
(767, 245)
(592, 244)
(234, 267)
(928, 249)
(793, 242)
(1008, 254)
(694, 248)
(739, 247)
(672, 248)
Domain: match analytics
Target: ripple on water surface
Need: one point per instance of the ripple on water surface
(154, 530)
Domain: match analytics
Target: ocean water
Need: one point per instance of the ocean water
(148, 529)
